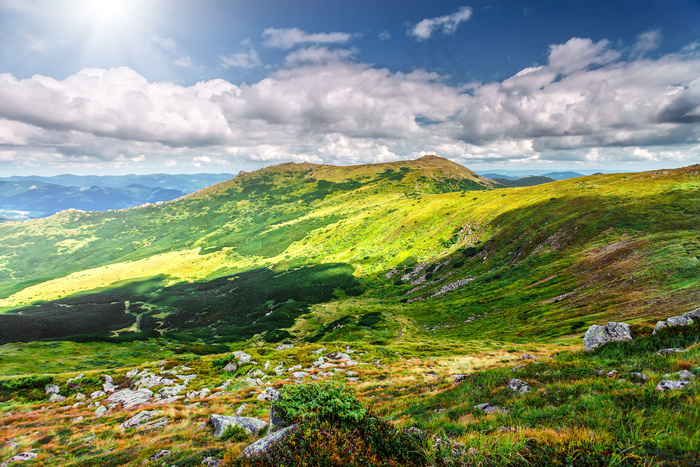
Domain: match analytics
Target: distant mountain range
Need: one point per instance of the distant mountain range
(516, 176)
(33, 197)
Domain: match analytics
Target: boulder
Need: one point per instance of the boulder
(159, 454)
(516, 385)
(527, 356)
(686, 375)
(284, 347)
(456, 379)
(601, 335)
(101, 410)
(277, 420)
(337, 356)
(249, 424)
(128, 398)
(639, 377)
(132, 373)
(669, 385)
(269, 394)
(231, 367)
(262, 445)
(70, 380)
(171, 391)
(52, 389)
(488, 408)
(140, 418)
(669, 351)
(242, 357)
(25, 456)
(683, 320)
(55, 398)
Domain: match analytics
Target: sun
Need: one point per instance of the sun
(110, 14)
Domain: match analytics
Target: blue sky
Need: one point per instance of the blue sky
(131, 86)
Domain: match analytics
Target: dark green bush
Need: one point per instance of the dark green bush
(328, 402)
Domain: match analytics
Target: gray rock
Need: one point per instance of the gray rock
(25, 456)
(284, 347)
(171, 391)
(669, 351)
(299, 374)
(242, 357)
(231, 367)
(75, 378)
(257, 373)
(277, 419)
(129, 398)
(201, 394)
(52, 389)
(269, 394)
(319, 362)
(518, 386)
(318, 351)
(686, 375)
(211, 462)
(101, 410)
(159, 454)
(262, 445)
(669, 385)
(132, 373)
(186, 378)
(150, 381)
(601, 335)
(337, 356)
(684, 320)
(76, 419)
(108, 387)
(249, 424)
(527, 356)
(456, 379)
(488, 408)
(250, 382)
(639, 377)
(519, 367)
(612, 373)
(140, 418)
(55, 398)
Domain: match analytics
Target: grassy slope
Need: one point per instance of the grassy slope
(573, 252)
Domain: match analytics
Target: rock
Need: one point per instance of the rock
(266, 366)
(669, 385)
(337, 356)
(132, 373)
(684, 320)
(294, 368)
(350, 363)
(284, 347)
(527, 356)
(639, 377)
(171, 391)
(686, 375)
(108, 387)
(299, 374)
(76, 419)
(221, 422)
(326, 366)
(140, 418)
(319, 362)
(186, 378)
(269, 394)
(262, 445)
(211, 462)
(599, 372)
(107, 378)
(601, 335)
(201, 394)
(225, 384)
(231, 367)
(519, 367)
(154, 424)
(25, 456)
(128, 398)
(242, 357)
(318, 351)
(351, 373)
(518, 386)
(612, 373)
(55, 398)
(277, 420)
(257, 373)
(80, 396)
(159, 454)
(456, 379)
(669, 351)
(75, 378)
(241, 409)
(488, 408)
(101, 410)
(249, 382)
(150, 381)
(52, 389)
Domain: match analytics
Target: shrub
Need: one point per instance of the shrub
(234, 433)
(329, 402)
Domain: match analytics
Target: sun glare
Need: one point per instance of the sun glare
(108, 14)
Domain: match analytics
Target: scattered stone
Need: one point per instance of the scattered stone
(225, 384)
(25, 456)
(337, 356)
(108, 387)
(319, 362)
(351, 373)
(684, 320)
(601, 335)
(171, 391)
(101, 410)
(519, 367)
(527, 356)
(249, 424)
(75, 378)
(262, 445)
(266, 366)
(241, 409)
(211, 462)
(456, 379)
(132, 374)
(670, 385)
(129, 398)
(318, 351)
(350, 363)
(284, 347)
(352, 380)
(257, 373)
(152, 425)
(140, 418)
(686, 375)
(269, 394)
(231, 367)
(518, 386)
(80, 396)
(160, 454)
(669, 351)
(150, 381)
(52, 389)
(639, 377)
(506, 429)
(201, 394)
(488, 408)
(599, 372)
(242, 357)
(612, 373)
(76, 419)
(56, 398)
(186, 378)
(299, 374)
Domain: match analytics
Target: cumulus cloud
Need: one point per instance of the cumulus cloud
(584, 104)
(286, 38)
(447, 24)
(648, 41)
(248, 59)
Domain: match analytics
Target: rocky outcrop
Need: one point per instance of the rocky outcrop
(262, 445)
(140, 419)
(519, 386)
(601, 335)
(684, 320)
(670, 385)
(128, 398)
(249, 424)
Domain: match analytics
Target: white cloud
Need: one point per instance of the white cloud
(185, 62)
(384, 35)
(448, 24)
(248, 59)
(316, 54)
(648, 41)
(288, 38)
(585, 104)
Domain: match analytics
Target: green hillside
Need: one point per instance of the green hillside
(422, 249)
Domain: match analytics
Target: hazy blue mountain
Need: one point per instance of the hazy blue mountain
(525, 181)
(187, 183)
(518, 174)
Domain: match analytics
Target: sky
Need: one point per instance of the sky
(183, 86)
